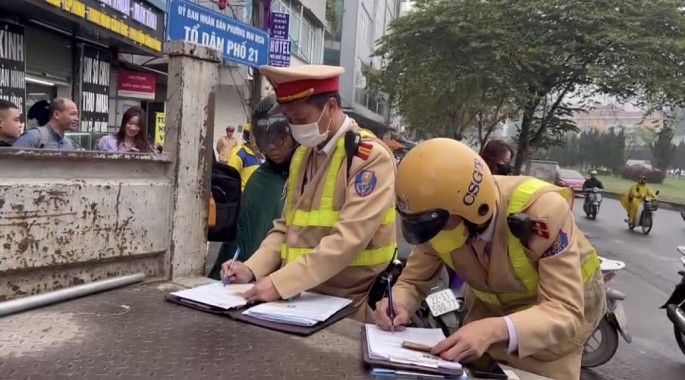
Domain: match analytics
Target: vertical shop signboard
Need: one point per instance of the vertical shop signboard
(279, 49)
(160, 128)
(95, 80)
(13, 65)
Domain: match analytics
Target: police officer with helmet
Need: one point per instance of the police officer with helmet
(534, 288)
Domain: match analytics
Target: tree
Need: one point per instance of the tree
(443, 86)
(441, 59)
(663, 149)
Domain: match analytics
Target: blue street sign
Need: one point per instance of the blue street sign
(237, 41)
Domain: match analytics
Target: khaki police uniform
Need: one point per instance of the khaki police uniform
(338, 230)
(555, 313)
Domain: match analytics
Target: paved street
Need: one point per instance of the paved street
(650, 275)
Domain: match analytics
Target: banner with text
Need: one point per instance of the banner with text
(95, 77)
(136, 85)
(237, 42)
(279, 49)
(13, 65)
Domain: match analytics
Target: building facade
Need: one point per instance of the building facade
(72, 49)
(356, 26)
(306, 33)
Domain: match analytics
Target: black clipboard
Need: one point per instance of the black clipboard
(236, 314)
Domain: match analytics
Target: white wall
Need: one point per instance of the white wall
(229, 110)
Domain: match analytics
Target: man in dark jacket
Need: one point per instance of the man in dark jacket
(264, 194)
(592, 182)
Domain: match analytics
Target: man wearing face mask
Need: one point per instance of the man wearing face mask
(337, 232)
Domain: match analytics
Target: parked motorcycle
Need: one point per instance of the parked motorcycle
(593, 199)
(613, 323)
(675, 306)
(646, 218)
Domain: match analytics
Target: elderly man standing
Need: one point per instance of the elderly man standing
(338, 230)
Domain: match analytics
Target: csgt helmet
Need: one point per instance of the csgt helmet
(438, 178)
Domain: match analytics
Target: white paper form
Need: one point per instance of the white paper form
(306, 310)
(217, 295)
(386, 345)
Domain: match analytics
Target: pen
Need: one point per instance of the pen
(226, 281)
(391, 307)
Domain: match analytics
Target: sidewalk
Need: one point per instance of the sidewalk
(132, 333)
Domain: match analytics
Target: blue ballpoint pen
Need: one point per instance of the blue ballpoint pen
(226, 281)
(391, 307)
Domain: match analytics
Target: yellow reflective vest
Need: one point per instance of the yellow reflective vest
(447, 241)
(326, 215)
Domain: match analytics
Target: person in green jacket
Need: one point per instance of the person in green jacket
(264, 194)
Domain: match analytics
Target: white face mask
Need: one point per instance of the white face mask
(308, 134)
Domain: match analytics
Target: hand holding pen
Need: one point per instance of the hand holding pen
(234, 271)
(391, 315)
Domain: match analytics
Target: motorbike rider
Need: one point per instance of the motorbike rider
(632, 200)
(534, 293)
(592, 182)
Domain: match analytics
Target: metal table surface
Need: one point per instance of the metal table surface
(132, 333)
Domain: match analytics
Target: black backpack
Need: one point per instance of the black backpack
(226, 191)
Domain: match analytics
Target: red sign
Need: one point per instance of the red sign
(136, 85)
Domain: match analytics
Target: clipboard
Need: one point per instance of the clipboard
(384, 364)
(237, 315)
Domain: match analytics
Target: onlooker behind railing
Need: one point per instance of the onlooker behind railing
(64, 117)
(10, 123)
(131, 137)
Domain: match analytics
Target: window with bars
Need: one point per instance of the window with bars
(306, 36)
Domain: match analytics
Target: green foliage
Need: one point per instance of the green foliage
(591, 149)
(663, 149)
(452, 60)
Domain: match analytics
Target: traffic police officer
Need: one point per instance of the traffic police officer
(338, 232)
(534, 288)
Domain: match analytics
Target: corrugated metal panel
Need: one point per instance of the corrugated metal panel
(50, 53)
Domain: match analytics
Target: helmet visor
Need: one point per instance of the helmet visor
(422, 227)
(271, 132)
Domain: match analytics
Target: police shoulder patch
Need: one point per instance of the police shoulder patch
(558, 245)
(364, 150)
(365, 182)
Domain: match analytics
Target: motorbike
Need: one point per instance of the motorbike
(611, 325)
(593, 199)
(646, 218)
(675, 306)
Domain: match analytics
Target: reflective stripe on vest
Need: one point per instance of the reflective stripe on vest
(325, 216)
(523, 267)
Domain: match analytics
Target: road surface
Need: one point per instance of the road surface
(651, 273)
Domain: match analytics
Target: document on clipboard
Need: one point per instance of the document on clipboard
(385, 350)
(216, 295)
(307, 310)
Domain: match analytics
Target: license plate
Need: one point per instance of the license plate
(442, 302)
(620, 315)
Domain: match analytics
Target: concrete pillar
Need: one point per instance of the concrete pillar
(193, 78)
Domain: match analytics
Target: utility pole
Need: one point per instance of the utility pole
(257, 21)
